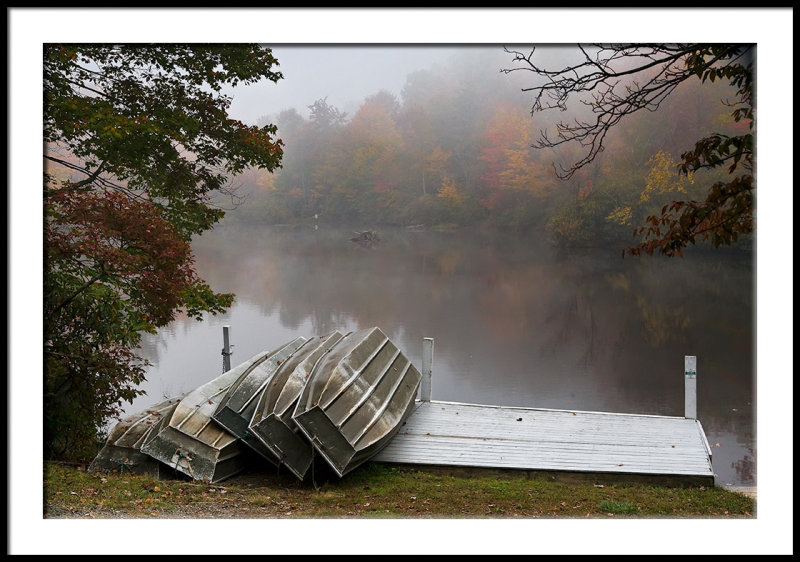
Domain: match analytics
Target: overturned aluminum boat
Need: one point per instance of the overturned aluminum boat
(356, 399)
(272, 421)
(236, 408)
(122, 449)
(191, 442)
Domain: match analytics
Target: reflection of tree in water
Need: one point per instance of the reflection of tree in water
(700, 305)
(629, 323)
(316, 276)
(745, 469)
(731, 419)
(582, 319)
(561, 308)
(151, 345)
(569, 322)
(662, 323)
(512, 319)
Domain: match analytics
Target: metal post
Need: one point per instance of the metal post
(427, 369)
(690, 377)
(226, 349)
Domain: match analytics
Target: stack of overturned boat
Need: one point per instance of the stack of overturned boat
(341, 397)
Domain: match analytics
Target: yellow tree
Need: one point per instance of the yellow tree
(450, 195)
(618, 80)
(663, 177)
(522, 172)
(362, 175)
(435, 164)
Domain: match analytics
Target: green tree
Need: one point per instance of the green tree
(620, 80)
(137, 142)
(325, 116)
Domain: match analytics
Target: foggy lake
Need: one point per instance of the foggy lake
(516, 321)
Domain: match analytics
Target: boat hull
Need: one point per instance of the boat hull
(357, 399)
(272, 421)
(191, 442)
(235, 410)
(122, 449)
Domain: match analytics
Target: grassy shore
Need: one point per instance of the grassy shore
(376, 490)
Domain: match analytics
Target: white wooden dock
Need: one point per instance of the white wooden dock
(530, 439)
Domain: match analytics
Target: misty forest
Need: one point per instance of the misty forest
(455, 148)
(615, 164)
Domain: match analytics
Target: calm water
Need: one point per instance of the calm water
(515, 321)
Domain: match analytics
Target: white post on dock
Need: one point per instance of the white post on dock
(690, 377)
(427, 368)
(226, 349)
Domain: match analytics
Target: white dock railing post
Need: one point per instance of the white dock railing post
(226, 349)
(690, 393)
(427, 368)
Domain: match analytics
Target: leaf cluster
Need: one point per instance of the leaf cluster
(721, 218)
(145, 129)
(150, 120)
(619, 80)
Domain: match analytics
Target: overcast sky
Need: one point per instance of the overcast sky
(344, 74)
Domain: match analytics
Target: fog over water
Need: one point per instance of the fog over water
(515, 322)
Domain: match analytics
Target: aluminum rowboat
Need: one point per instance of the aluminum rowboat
(122, 449)
(236, 408)
(272, 420)
(356, 399)
(191, 442)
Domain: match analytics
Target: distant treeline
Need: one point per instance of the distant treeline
(456, 149)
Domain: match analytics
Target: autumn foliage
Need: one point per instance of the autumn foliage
(137, 144)
(461, 146)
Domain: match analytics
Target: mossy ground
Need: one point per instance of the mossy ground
(376, 490)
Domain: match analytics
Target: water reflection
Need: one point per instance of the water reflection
(515, 321)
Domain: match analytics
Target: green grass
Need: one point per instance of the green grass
(376, 491)
(617, 507)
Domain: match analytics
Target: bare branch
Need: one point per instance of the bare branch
(609, 77)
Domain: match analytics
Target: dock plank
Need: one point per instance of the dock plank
(472, 435)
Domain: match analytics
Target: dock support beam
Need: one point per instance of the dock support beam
(226, 349)
(690, 378)
(427, 368)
